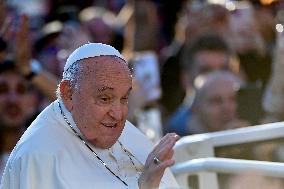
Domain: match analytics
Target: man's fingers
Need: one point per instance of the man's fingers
(165, 141)
(166, 151)
(158, 160)
(165, 164)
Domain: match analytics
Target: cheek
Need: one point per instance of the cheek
(211, 111)
(90, 114)
(29, 102)
(125, 111)
(81, 113)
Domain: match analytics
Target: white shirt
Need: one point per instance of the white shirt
(50, 155)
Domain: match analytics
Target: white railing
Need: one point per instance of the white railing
(225, 165)
(202, 145)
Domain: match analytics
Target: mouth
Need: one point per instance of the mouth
(110, 125)
(13, 111)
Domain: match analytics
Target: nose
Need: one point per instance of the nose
(13, 96)
(116, 111)
(229, 107)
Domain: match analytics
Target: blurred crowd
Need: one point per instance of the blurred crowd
(198, 66)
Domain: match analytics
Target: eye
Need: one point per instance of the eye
(124, 100)
(104, 99)
(215, 100)
(3, 88)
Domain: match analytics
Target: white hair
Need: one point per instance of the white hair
(72, 74)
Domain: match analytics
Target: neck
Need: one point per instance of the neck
(9, 138)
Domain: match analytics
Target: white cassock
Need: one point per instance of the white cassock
(50, 156)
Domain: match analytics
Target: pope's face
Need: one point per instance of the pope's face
(100, 105)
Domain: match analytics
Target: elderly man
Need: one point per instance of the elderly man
(82, 140)
(215, 105)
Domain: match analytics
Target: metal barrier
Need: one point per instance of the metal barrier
(225, 165)
(202, 146)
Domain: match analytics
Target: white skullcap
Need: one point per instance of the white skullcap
(91, 50)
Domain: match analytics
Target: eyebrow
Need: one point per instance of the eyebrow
(111, 88)
(105, 88)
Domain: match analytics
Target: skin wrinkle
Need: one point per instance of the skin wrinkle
(105, 88)
(100, 106)
(75, 72)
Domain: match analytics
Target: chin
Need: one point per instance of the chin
(12, 123)
(103, 145)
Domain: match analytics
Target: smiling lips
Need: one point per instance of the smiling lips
(110, 125)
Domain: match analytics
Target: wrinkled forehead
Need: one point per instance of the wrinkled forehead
(105, 72)
(105, 65)
(220, 88)
(99, 62)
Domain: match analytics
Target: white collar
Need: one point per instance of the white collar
(135, 142)
(68, 116)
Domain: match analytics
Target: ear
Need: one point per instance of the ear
(66, 94)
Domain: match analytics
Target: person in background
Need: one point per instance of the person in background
(32, 69)
(102, 26)
(18, 104)
(83, 140)
(215, 104)
(206, 54)
(254, 46)
(140, 41)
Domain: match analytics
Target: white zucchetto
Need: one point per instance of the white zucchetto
(91, 50)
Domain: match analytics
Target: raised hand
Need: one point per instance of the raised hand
(158, 160)
(23, 46)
